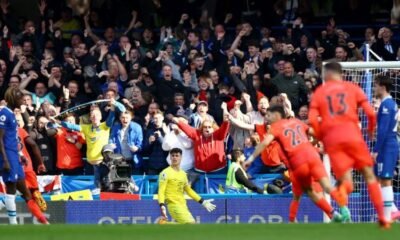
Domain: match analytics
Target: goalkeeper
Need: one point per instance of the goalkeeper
(173, 182)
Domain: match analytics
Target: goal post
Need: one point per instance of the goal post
(363, 74)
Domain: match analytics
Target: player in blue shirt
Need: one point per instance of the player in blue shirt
(10, 165)
(386, 150)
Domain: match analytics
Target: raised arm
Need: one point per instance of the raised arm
(187, 129)
(222, 132)
(236, 122)
(236, 43)
(121, 69)
(17, 66)
(37, 156)
(88, 29)
(133, 23)
(247, 101)
(71, 126)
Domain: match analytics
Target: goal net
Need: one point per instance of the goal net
(363, 74)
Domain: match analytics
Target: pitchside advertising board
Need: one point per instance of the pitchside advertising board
(271, 210)
(231, 211)
(55, 213)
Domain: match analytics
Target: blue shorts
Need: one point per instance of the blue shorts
(16, 172)
(386, 163)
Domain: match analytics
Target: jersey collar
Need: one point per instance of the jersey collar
(387, 97)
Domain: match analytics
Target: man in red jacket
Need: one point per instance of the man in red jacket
(208, 142)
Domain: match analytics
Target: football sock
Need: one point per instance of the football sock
(339, 198)
(294, 206)
(11, 208)
(325, 206)
(394, 207)
(2, 196)
(35, 210)
(346, 186)
(376, 198)
(388, 198)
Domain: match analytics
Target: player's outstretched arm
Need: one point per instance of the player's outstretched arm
(207, 204)
(260, 147)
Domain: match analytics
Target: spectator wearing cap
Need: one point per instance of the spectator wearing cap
(208, 145)
(293, 85)
(176, 138)
(201, 115)
(126, 138)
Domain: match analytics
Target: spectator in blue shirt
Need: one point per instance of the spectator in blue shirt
(126, 137)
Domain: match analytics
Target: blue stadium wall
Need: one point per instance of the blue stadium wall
(235, 210)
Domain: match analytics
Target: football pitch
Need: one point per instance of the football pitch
(201, 232)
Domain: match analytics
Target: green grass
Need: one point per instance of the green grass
(201, 232)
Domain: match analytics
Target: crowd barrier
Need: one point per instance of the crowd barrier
(148, 184)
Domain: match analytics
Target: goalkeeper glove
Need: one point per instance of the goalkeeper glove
(163, 211)
(207, 204)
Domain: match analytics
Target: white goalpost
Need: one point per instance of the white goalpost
(363, 74)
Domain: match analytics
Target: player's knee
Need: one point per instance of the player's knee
(385, 182)
(368, 174)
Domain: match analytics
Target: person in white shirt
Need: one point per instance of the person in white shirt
(176, 138)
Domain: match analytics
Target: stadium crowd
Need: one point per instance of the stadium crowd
(166, 86)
